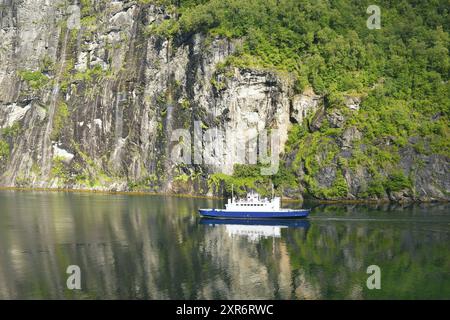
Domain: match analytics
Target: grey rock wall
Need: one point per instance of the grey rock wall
(96, 107)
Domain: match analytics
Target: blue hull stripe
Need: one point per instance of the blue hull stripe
(217, 213)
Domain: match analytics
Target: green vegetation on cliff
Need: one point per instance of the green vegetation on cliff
(36, 79)
(4, 150)
(399, 72)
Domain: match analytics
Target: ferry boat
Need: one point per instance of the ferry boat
(254, 207)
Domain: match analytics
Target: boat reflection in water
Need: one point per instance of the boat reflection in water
(255, 229)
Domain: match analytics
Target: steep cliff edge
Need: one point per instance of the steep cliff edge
(95, 108)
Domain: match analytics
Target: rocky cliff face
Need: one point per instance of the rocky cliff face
(95, 107)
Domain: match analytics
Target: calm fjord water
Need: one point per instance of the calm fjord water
(155, 247)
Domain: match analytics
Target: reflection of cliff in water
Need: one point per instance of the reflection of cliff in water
(124, 245)
(154, 248)
(250, 269)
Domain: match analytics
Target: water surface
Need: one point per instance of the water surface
(155, 247)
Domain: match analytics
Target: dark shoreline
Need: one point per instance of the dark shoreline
(182, 195)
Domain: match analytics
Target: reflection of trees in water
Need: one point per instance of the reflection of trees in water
(152, 247)
(376, 208)
(414, 262)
